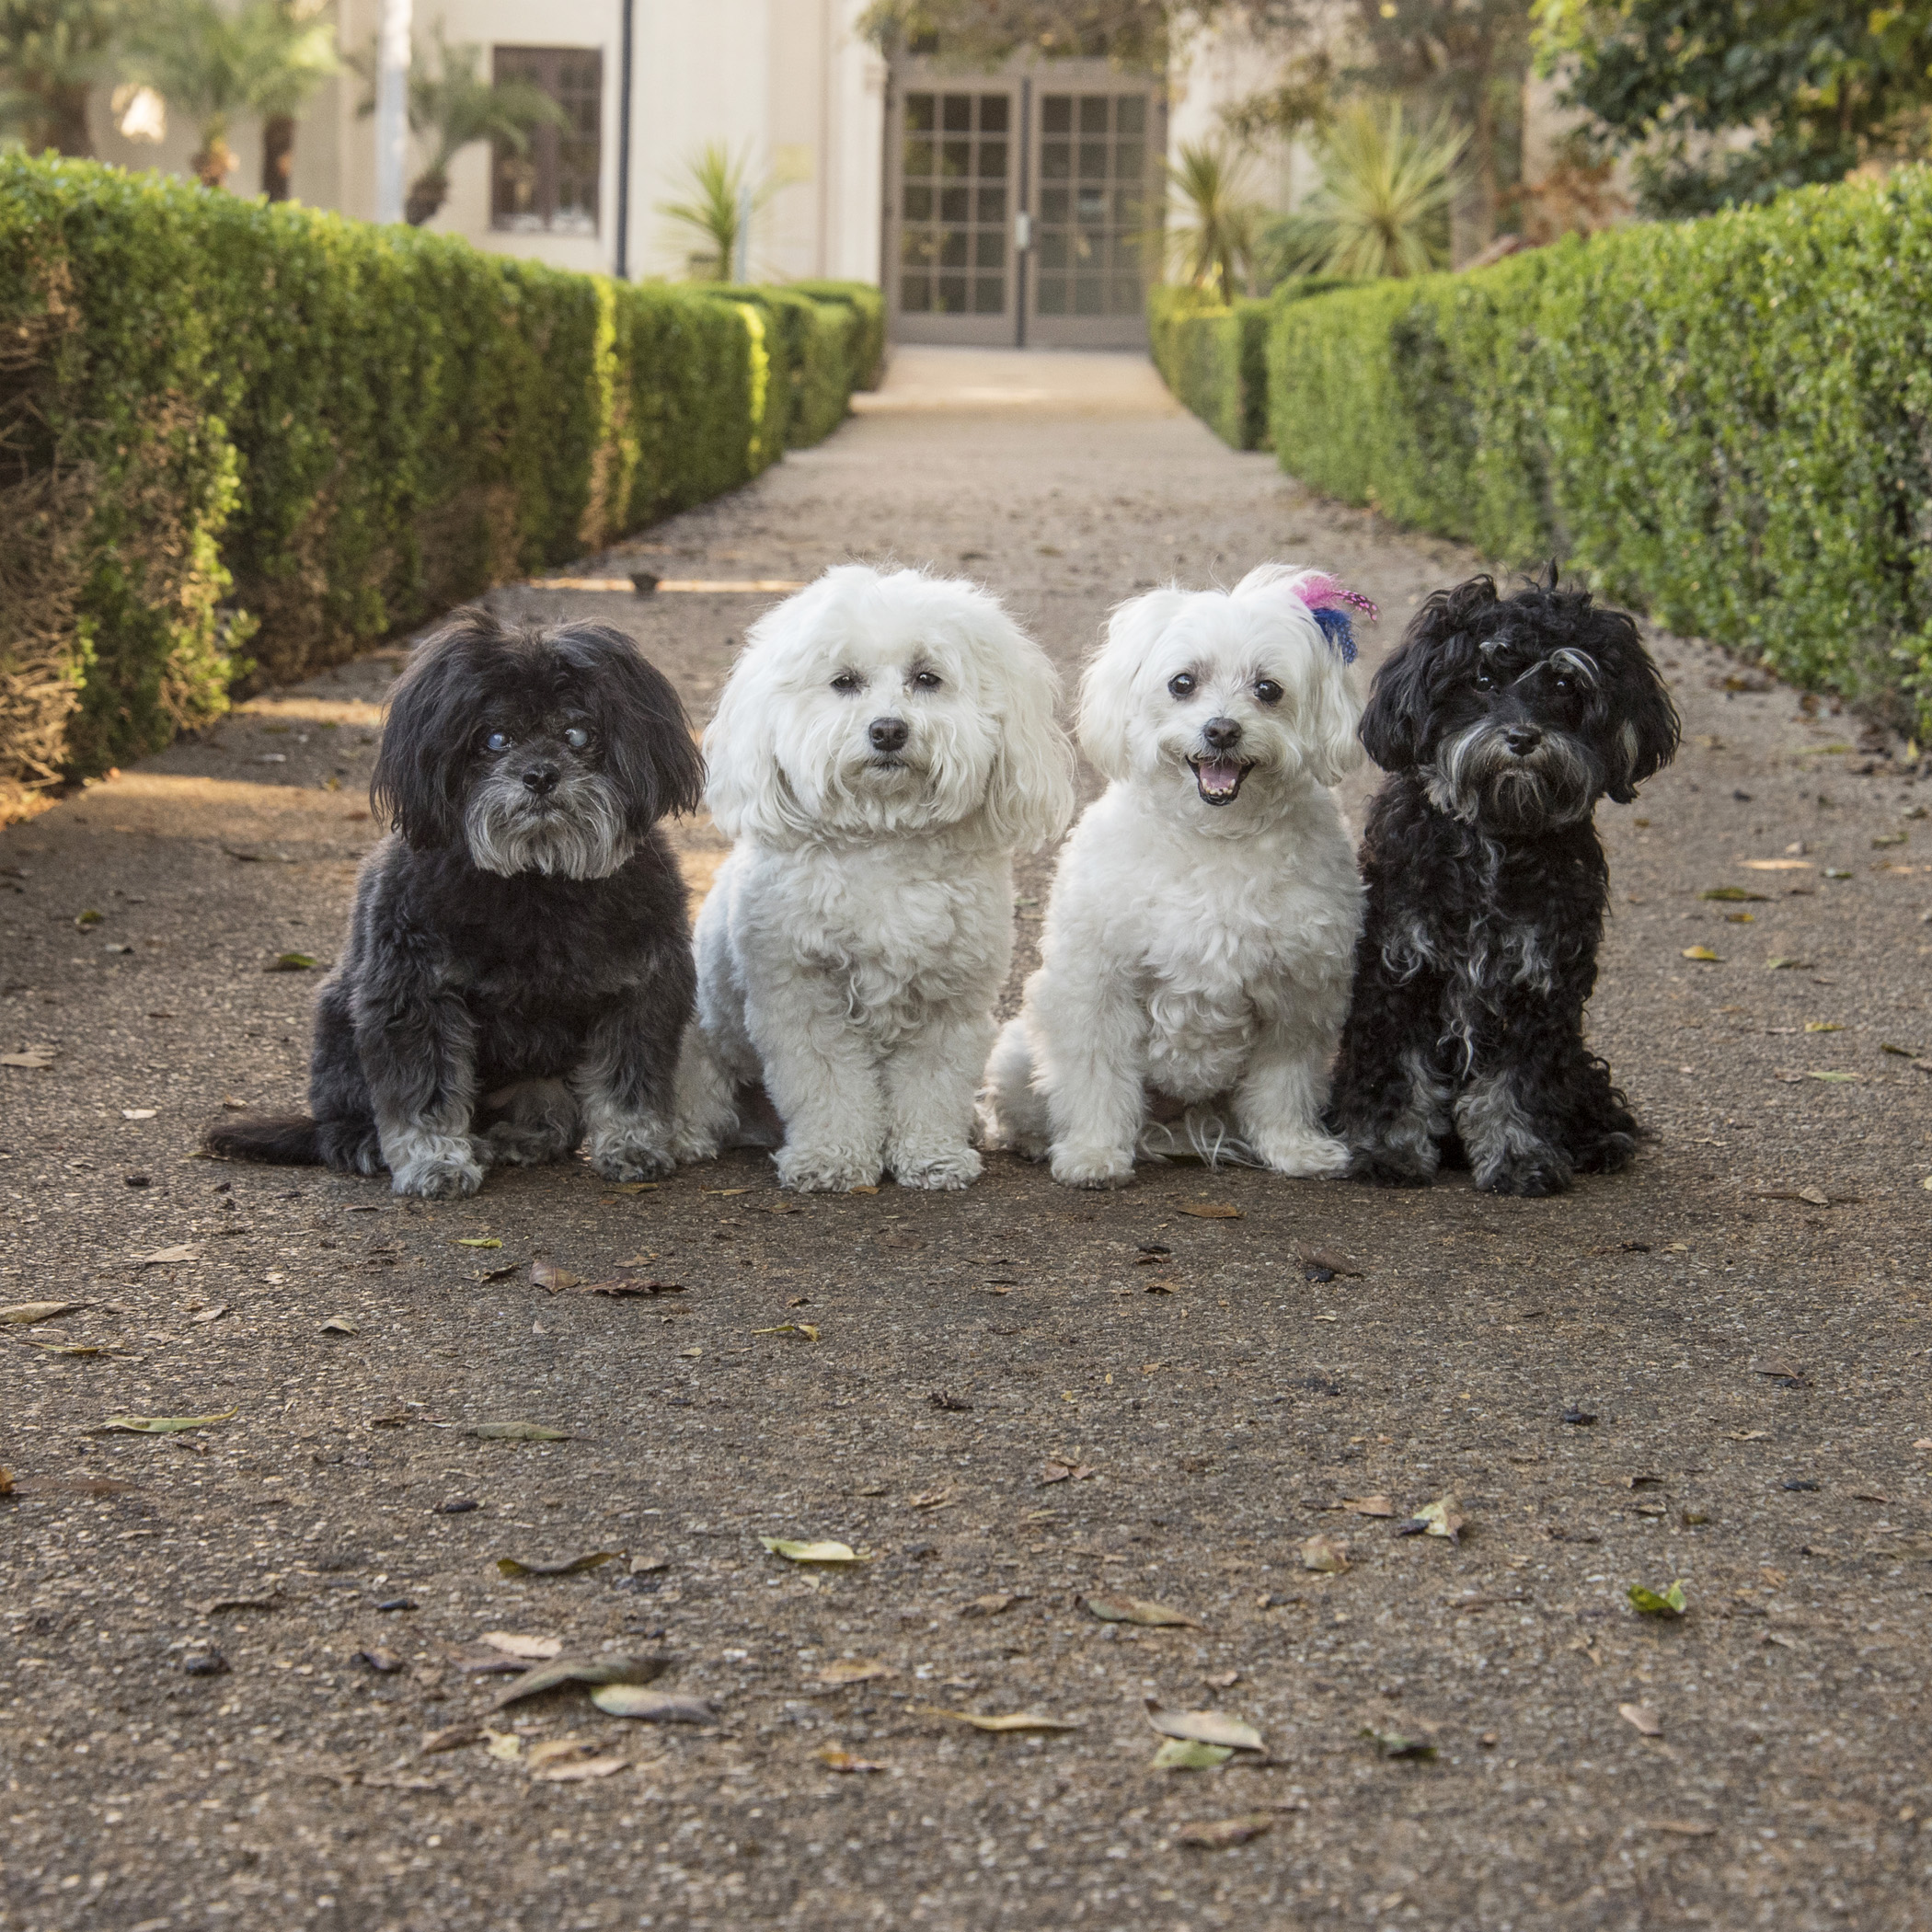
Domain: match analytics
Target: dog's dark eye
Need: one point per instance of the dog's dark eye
(926, 680)
(847, 682)
(1484, 682)
(1267, 691)
(1563, 685)
(497, 742)
(577, 738)
(1181, 684)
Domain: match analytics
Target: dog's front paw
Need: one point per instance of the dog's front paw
(441, 1169)
(825, 1170)
(944, 1170)
(1304, 1156)
(1088, 1166)
(1382, 1169)
(631, 1153)
(1531, 1175)
(507, 1146)
(689, 1143)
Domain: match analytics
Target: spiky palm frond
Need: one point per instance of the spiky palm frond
(1212, 243)
(1382, 207)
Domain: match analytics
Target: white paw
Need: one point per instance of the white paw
(1076, 1166)
(689, 1143)
(1306, 1156)
(946, 1170)
(825, 1170)
(438, 1171)
(631, 1153)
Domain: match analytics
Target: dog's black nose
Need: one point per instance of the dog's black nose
(888, 734)
(1221, 734)
(1522, 739)
(540, 778)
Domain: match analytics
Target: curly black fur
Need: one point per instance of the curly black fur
(1501, 721)
(518, 970)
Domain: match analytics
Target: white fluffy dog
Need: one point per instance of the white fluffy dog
(884, 743)
(1201, 930)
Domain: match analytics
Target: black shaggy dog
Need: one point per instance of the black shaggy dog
(518, 970)
(1500, 721)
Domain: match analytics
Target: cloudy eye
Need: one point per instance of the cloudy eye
(497, 742)
(1181, 684)
(847, 682)
(1267, 691)
(577, 738)
(925, 680)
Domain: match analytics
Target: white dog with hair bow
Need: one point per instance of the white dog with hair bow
(884, 745)
(1200, 935)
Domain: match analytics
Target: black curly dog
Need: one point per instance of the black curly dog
(1500, 721)
(518, 970)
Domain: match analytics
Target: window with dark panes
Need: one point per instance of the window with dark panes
(551, 189)
(1093, 212)
(953, 228)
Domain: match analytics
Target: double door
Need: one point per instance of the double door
(1023, 209)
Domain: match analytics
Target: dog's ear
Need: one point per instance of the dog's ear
(1438, 648)
(1332, 719)
(645, 735)
(1330, 711)
(1643, 721)
(422, 762)
(1107, 688)
(1029, 796)
(746, 790)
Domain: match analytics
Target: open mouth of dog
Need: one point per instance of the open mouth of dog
(1218, 780)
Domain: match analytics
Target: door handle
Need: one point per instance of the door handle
(1022, 231)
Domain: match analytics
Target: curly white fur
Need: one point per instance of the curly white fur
(854, 941)
(1201, 934)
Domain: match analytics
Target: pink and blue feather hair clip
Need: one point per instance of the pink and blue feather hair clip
(1330, 603)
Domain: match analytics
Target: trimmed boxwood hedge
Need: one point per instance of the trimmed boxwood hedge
(1726, 422)
(238, 441)
(1214, 359)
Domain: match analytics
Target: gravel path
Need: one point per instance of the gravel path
(1005, 1404)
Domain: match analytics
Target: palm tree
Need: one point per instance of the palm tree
(1383, 206)
(266, 59)
(1213, 247)
(722, 205)
(52, 53)
(455, 106)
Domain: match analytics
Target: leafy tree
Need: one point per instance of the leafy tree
(300, 53)
(1136, 33)
(215, 64)
(52, 53)
(1382, 207)
(453, 107)
(1822, 85)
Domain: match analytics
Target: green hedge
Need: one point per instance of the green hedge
(238, 441)
(1727, 421)
(1214, 359)
(866, 344)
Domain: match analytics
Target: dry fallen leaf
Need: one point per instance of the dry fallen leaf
(932, 1500)
(1681, 1827)
(504, 1745)
(1394, 1743)
(25, 1312)
(207, 1315)
(1325, 1556)
(1204, 1727)
(334, 1325)
(475, 1241)
(610, 1669)
(855, 1670)
(1138, 1610)
(1369, 1505)
(1669, 1604)
(518, 1432)
(632, 1700)
(1218, 1834)
(452, 1737)
(834, 1759)
(996, 1602)
(166, 1257)
(1641, 1719)
(550, 1275)
(166, 1425)
(629, 1284)
(1211, 1210)
(794, 1552)
(1057, 1469)
(1333, 1260)
(1011, 1721)
(1703, 954)
(533, 1650)
(564, 1567)
(577, 1771)
(36, 1059)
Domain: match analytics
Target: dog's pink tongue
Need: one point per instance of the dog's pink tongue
(1219, 774)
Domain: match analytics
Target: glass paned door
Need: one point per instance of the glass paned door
(1091, 238)
(950, 232)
